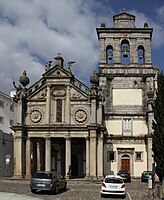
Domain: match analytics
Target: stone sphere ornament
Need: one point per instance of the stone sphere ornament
(24, 80)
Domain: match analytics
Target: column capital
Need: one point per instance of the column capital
(67, 137)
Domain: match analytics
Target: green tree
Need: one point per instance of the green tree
(158, 127)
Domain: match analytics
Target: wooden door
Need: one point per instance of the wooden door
(125, 164)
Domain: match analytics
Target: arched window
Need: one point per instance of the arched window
(109, 54)
(141, 54)
(59, 110)
(125, 52)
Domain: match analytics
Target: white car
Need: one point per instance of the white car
(113, 185)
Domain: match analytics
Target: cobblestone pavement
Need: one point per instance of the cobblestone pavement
(77, 190)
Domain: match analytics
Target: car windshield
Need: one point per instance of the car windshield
(147, 173)
(113, 180)
(43, 175)
(123, 172)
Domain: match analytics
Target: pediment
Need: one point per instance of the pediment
(57, 72)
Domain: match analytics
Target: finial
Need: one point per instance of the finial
(123, 10)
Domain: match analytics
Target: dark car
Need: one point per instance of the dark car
(145, 176)
(47, 181)
(125, 175)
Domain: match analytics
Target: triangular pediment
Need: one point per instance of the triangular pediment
(57, 72)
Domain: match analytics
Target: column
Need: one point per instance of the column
(47, 154)
(87, 157)
(68, 107)
(28, 157)
(18, 155)
(93, 111)
(93, 156)
(38, 155)
(67, 154)
(48, 105)
(100, 157)
(149, 156)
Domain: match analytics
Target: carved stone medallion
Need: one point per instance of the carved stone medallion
(80, 116)
(35, 116)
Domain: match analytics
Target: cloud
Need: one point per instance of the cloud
(33, 32)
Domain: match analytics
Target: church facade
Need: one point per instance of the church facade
(97, 130)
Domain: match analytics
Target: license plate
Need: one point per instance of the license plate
(113, 187)
(41, 185)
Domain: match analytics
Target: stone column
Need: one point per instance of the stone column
(93, 156)
(67, 154)
(100, 157)
(87, 157)
(28, 157)
(38, 155)
(149, 154)
(18, 155)
(102, 51)
(48, 105)
(68, 107)
(93, 111)
(47, 154)
(117, 51)
(150, 130)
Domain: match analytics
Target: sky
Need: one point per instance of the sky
(33, 32)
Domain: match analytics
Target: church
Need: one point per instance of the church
(97, 130)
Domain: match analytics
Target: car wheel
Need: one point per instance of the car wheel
(102, 195)
(65, 187)
(33, 191)
(56, 189)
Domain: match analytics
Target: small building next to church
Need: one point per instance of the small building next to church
(97, 130)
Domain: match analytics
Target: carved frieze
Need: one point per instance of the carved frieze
(58, 91)
(42, 94)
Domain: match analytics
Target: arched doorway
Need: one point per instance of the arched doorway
(125, 162)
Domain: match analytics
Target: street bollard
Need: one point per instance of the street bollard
(150, 187)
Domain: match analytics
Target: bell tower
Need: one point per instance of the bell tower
(126, 77)
(124, 43)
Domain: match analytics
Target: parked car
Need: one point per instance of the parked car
(145, 176)
(125, 175)
(113, 185)
(47, 181)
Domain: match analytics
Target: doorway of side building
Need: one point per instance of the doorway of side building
(125, 162)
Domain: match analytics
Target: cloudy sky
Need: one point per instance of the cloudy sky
(34, 31)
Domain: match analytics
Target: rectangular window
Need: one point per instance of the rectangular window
(1, 104)
(1, 120)
(59, 110)
(127, 126)
(139, 156)
(110, 156)
(11, 122)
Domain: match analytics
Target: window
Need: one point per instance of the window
(11, 122)
(125, 52)
(110, 156)
(1, 120)
(59, 110)
(141, 56)
(1, 104)
(127, 126)
(109, 53)
(138, 156)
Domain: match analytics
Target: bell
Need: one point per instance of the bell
(140, 54)
(110, 55)
(125, 51)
